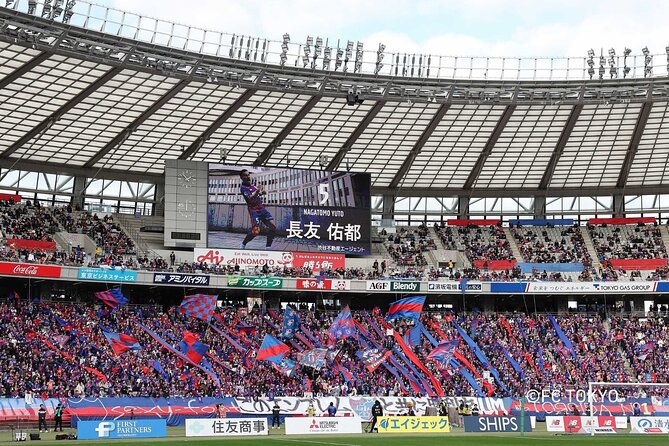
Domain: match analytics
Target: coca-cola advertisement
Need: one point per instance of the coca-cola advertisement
(29, 270)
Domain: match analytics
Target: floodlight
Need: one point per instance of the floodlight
(69, 11)
(379, 58)
(627, 52)
(57, 8)
(284, 49)
(46, 8)
(591, 53)
(645, 51)
(349, 54)
(338, 61)
(32, 6)
(327, 57)
(612, 53)
(358, 57)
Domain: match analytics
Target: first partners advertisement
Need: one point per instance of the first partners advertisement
(282, 209)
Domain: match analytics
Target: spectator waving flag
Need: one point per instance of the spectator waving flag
(407, 308)
(272, 349)
(343, 325)
(121, 342)
(192, 348)
(444, 352)
(199, 306)
(285, 366)
(291, 323)
(112, 298)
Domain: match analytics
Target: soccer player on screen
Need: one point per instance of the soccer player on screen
(252, 195)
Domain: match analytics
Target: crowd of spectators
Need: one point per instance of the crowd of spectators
(548, 244)
(106, 234)
(407, 245)
(477, 242)
(628, 241)
(59, 350)
(27, 221)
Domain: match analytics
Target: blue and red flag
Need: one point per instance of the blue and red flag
(284, 366)
(407, 308)
(343, 325)
(372, 358)
(159, 368)
(444, 352)
(291, 322)
(412, 337)
(112, 298)
(121, 342)
(272, 349)
(314, 358)
(200, 306)
(192, 348)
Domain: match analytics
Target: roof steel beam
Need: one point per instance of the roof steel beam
(55, 116)
(408, 161)
(633, 146)
(23, 69)
(119, 138)
(339, 156)
(559, 148)
(60, 168)
(265, 155)
(199, 142)
(487, 150)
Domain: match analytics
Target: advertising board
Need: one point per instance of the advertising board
(107, 275)
(29, 270)
(392, 425)
(116, 429)
(649, 425)
(251, 259)
(223, 427)
(323, 425)
(497, 424)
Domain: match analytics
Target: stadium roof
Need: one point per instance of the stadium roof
(100, 104)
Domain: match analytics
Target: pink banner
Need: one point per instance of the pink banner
(494, 265)
(474, 222)
(32, 245)
(638, 264)
(621, 221)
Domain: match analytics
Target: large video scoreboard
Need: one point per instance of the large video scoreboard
(284, 209)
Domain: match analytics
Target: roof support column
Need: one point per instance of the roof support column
(463, 206)
(388, 212)
(79, 192)
(159, 206)
(539, 206)
(618, 205)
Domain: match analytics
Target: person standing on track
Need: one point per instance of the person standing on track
(276, 410)
(252, 195)
(377, 411)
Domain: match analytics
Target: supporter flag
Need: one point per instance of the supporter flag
(563, 337)
(291, 323)
(121, 342)
(63, 323)
(444, 352)
(314, 358)
(372, 358)
(343, 325)
(412, 337)
(249, 358)
(112, 298)
(272, 349)
(284, 366)
(14, 295)
(193, 348)
(159, 368)
(407, 308)
(199, 306)
(643, 350)
(61, 340)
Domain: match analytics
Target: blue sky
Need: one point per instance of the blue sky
(463, 28)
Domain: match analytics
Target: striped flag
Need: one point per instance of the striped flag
(112, 298)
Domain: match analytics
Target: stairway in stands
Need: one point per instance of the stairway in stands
(665, 236)
(590, 246)
(512, 243)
